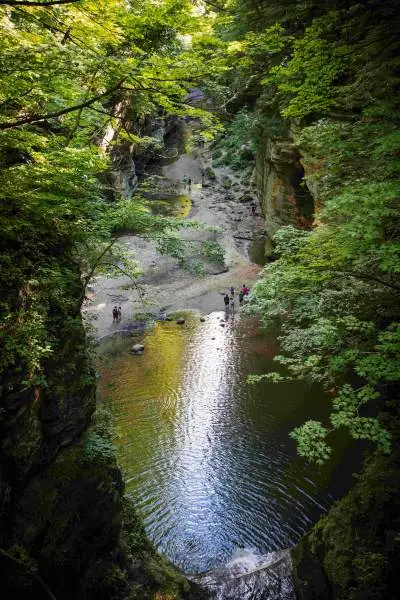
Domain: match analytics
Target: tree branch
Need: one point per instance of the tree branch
(218, 6)
(31, 572)
(363, 277)
(64, 111)
(27, 3)
(78, 118)
(133, 280)
(97, 261)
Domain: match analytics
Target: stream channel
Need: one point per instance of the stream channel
(207, 457)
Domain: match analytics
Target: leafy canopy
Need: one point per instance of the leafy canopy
(77, 81)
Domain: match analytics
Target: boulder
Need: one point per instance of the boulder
(180, 321)
(202, 319)
(246, 198)
(137, 348)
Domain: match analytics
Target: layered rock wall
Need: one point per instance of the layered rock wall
(282, 193)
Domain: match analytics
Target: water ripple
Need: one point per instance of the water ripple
(207, 456)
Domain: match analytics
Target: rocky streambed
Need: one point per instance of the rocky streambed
(208, 458)
(164, 284)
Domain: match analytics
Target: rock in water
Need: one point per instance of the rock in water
(180, 321)
(137, 348)
(202, 319)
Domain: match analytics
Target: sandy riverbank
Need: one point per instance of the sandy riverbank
(164, 283)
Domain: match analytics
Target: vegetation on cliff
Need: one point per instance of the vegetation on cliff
(325, 77)
(77, 80)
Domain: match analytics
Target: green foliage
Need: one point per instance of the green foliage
(210, 174)
(98, 449)
(235, 147)
(103, 424)
(311, 441)
(334, 290)
(213, 251)
(268, 127)
(77, 81)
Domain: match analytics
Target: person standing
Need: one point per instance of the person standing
(241, 296)
(232, 304)
(115, 314)
(119, 313)
(226, 301)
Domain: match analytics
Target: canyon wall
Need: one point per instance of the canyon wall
(66, 529)
(281, 190)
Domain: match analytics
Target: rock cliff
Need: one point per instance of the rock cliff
(350, 553)
(283, 195)
(66, 530)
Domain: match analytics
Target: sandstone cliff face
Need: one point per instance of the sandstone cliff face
(283, 195)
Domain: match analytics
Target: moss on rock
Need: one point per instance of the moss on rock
(350, 553)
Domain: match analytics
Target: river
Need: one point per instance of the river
(208, 457)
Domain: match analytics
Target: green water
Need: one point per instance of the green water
(178, 205)
(207, 456)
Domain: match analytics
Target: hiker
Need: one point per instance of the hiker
(253, 208)
(245, 290)
(119, 313)
(115, 314)
(226, 301)
(232, 304)
(241, 296)
(232, 291)
(189, 183)
(184, 180)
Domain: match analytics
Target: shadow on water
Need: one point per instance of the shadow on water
(207, 456)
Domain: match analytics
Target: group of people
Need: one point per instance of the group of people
(229, 300)
(187, 181)
(117, 314)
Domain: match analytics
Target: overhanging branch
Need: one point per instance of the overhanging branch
(27, 3)
(59, 113)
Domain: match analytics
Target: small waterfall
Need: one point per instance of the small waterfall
(250, 576)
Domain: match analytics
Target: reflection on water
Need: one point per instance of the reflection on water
(178, 205)
(207, 456)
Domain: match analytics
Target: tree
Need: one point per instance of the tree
(70, 73)
(331, 75)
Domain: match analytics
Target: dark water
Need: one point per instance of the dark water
(207, 456)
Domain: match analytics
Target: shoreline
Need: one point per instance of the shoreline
(166, 285)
